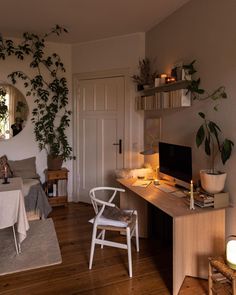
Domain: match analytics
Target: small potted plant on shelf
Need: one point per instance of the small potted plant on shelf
(146, 77)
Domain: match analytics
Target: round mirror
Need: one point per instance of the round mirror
(13, 111)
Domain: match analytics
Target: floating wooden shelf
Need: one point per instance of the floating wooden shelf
(166, 88)
(172, 95)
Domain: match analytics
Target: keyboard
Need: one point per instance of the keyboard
(166, 188)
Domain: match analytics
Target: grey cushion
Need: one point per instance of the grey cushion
(25, 168)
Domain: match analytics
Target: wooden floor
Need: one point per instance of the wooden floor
(109, 275)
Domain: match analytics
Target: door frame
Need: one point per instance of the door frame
(127, 150)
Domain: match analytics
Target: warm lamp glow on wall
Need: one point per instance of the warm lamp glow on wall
(231, 251)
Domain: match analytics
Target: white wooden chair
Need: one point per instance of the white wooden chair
(127, 223)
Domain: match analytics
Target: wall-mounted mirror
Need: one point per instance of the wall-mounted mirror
(14, 111)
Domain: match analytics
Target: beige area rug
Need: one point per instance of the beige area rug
(39, 249)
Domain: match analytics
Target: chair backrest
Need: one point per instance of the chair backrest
(99, 205)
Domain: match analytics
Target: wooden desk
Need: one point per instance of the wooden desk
(197, 234)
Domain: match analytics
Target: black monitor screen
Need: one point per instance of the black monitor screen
(176, 161)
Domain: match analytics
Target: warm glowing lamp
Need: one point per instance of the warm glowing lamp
(231, 251)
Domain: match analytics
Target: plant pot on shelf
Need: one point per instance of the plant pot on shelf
(54, 162)
(146, 86)
(211, 182)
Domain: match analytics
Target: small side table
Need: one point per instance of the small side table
(56, 186)
(222, 279)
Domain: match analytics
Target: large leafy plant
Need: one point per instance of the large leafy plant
(51, 116)
(209, 135)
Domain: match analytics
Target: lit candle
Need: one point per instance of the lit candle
(5, 171)
(191, 196)
(163, 78)
(231, 253)
(191, 189)
(156, 182)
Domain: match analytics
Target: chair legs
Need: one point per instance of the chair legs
(129, 251)
(136, 232)
(101, 236)
(92, 247)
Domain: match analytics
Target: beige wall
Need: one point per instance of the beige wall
(112, 53)
(203, 30)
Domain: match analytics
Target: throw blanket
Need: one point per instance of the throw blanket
(37, 199)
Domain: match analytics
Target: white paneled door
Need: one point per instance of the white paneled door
(101, 132)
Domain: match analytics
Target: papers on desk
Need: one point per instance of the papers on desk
(141, 183)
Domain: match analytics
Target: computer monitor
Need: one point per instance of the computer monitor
(175, 163)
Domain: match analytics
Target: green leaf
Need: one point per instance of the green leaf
(213, 128)
(226, 150)
(224, 95)
(200, 136)
(202, 115)
(216, 107)
(207, 146)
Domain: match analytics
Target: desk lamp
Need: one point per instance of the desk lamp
(151, 156)
(231, 251)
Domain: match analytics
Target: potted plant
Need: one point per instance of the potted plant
(146, 77)
(209, 133)
(50, 115)
(213, 181)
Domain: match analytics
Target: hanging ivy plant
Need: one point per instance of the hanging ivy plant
(200, 93)
(50, 115)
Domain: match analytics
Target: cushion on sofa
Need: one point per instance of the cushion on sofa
(3, 163)
(25, 168)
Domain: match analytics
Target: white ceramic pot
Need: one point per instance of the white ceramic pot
(212, 183)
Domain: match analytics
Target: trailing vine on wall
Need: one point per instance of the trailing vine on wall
(50, 115)
(200, 93)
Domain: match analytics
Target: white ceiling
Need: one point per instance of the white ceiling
(85, 20)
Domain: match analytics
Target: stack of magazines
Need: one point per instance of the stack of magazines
(203, 200)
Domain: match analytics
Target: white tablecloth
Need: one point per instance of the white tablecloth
(12, 207)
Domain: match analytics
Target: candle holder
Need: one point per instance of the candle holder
(191, 204)
(5, 180)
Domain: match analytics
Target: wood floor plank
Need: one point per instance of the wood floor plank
(109, 275)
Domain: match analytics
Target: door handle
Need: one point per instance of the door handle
(120, 145)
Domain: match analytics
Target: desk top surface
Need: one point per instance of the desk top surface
(167, 202)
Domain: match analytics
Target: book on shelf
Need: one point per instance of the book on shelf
(62, 187)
